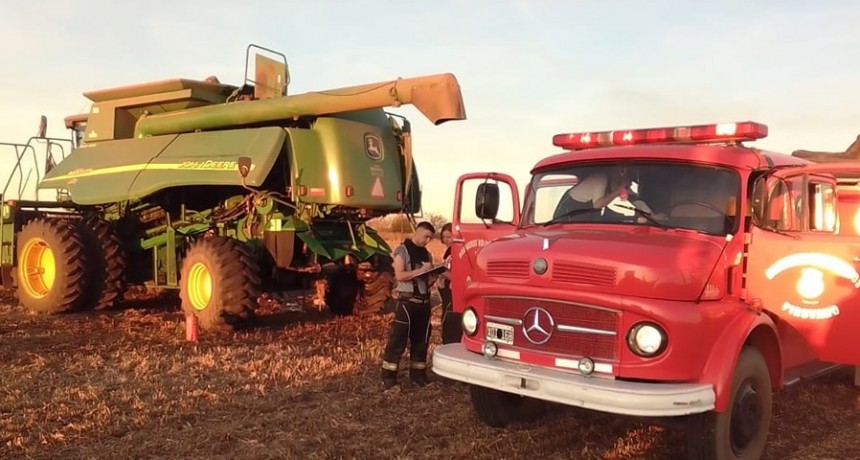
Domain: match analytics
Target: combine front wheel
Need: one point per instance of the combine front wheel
(52, 266)
(109, 264)
(220, 283)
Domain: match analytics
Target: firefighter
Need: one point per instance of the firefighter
(608, 191)
(412, 313)
(451, 330)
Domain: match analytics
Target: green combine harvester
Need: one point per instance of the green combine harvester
(227, 193)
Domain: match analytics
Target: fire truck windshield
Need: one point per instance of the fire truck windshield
(665, 194)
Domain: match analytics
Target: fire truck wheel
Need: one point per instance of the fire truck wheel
(109, 262)
(219, 284)
(499, 408)
(342, 288)
(741, 431)
(52, 266)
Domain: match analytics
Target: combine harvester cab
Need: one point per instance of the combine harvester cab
(230, 194)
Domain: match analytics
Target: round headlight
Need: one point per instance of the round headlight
(646, 339)
(539, 266)
(470, 321)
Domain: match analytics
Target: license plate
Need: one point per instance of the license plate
(501, 333)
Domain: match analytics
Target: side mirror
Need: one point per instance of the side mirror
(244, 166)
(487, 201)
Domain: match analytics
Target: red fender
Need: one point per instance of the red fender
(754, 329)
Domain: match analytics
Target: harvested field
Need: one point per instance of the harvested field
(125, 384)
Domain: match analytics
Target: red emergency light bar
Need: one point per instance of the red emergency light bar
(723, 132)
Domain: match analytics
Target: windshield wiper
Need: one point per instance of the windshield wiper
(780, 232)
(575, 212)
(647, 215)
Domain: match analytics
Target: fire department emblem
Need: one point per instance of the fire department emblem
(538, 325)
(373, 147)
(811, 284)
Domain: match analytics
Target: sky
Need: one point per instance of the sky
(528, 69)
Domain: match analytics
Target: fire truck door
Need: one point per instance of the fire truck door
(495, 213)
(803, 262)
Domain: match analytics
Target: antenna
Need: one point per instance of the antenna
(729, 238)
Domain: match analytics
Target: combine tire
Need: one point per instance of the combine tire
(342, 288)
(109, 263)
(375, 293)
(52, 266)
(219, 284)
(376, 286)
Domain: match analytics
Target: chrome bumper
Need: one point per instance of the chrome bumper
(597, 393)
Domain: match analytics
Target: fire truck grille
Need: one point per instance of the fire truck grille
(579, 330)
(567, 272)
(508, 268)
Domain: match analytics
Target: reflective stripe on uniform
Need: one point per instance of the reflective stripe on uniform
(389, 366)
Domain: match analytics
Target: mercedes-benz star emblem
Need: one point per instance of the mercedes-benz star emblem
(538, 325)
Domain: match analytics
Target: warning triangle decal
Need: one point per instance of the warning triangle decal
(377, 191)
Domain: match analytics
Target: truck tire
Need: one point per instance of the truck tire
(741, 431)
(219, 284)
(342, 289)
(52, 266)
(109, 262)
(499, 408)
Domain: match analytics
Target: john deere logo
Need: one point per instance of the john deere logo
(373, 147)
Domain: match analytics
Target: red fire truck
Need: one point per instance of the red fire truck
(673, 272)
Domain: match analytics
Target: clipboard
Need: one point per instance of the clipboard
(430, 271)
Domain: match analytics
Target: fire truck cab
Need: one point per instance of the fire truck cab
(669, 272)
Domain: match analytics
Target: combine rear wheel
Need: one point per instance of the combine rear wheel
(52, 266)
(377, 284)
(219, 284)
(109, 264)
(342, 289)
(375, 293)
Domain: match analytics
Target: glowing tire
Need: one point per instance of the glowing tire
(51, 271)
(219, 284)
